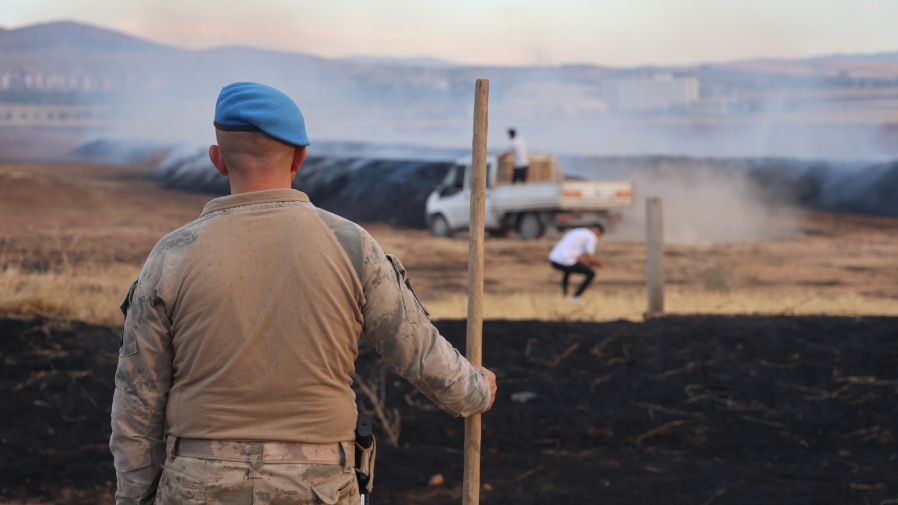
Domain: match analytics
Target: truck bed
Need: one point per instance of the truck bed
(568, 195)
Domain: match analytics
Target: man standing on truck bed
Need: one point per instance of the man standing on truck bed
(518, 151)
(574, 253)
(240, 336)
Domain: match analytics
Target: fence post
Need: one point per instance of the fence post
(654, 257)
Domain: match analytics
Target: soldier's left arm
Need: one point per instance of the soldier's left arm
(399, 328)
(142, 382)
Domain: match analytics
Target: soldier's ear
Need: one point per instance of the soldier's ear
(218, 160)
(299, 155)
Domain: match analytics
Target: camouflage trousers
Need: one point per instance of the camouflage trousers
(190, 480)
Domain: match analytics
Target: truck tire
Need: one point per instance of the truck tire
(530, 227)
(439, 227)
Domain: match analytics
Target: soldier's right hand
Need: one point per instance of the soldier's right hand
(491, 377)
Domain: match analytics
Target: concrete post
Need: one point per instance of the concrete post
(654, 257)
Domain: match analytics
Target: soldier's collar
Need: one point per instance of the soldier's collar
(254, 198)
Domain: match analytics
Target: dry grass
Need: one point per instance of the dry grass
(92, 293)
(88, 293)
(603, 306)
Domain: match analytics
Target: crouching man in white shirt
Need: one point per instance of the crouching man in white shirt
(575, 253)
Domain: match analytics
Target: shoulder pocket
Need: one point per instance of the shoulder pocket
(127, 346)
(126, 303)
(414, 309)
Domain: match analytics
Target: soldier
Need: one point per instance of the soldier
(240, 336)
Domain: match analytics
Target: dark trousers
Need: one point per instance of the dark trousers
(519, 174)
(576, 268)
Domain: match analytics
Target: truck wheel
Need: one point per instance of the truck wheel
(530, 227)
(439, 227)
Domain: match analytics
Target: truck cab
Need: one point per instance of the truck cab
(448, 207)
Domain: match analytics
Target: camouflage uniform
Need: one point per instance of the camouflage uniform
(242, 328)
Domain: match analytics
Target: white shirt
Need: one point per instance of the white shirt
(572, 245)
(518, 149)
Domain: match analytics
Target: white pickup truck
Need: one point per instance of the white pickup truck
(544, 200)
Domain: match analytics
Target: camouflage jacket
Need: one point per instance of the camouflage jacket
(244, 324)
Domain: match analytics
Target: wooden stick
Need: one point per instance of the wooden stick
(474, 351)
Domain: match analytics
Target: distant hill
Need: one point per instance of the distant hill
(876, 57)
(417, 61)
(63, 35)
(50, 36)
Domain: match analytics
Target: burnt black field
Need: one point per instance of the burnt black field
(691, 410)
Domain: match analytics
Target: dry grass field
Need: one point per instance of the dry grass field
(605, 306)
(73, 237)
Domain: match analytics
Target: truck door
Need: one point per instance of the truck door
(455, 197)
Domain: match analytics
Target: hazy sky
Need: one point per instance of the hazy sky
(504, 32)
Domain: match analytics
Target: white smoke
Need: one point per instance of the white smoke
(704, 201)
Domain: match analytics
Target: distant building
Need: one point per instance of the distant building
(34, 80)
(13, 114)
(660, 93)
(549, 99)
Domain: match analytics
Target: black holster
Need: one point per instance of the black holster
(365, 450)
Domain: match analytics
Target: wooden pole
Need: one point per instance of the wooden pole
(474, 351)
(654, 257)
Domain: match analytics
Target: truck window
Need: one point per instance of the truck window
(454, 181)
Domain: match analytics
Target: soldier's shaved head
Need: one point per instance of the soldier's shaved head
(248, 152)
(254, 161)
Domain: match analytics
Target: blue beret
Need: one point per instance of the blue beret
(253, 107)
